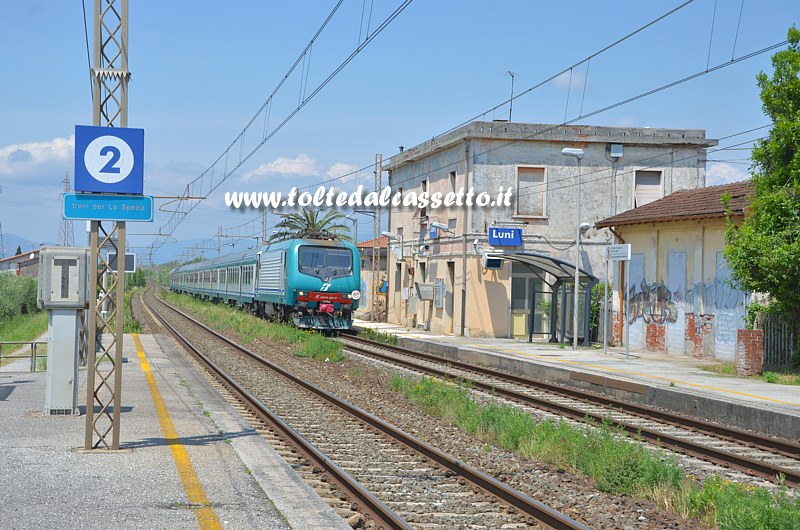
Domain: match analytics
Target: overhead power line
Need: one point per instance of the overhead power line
(211, 178)
(604, 109)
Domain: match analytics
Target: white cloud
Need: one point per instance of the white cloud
(303, 165)
(37, 158)
(567, 81)
(347, 172)
(723, 173)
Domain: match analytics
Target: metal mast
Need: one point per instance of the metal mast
(376, 234)
(110, 78)
(66, 237)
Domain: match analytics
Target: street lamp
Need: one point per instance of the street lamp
(578, 155)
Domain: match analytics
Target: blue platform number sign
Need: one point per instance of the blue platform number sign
(505, 237)
(109, 160)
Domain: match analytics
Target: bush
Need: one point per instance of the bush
(17, 296)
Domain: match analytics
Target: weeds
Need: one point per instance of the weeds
(603, 453)
(224, 318)
(378, 336)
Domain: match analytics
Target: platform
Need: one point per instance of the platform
(671, 382)
(239, 480)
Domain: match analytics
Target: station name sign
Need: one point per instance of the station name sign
(505, 237)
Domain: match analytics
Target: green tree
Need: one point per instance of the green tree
(310, 224)
(18, 251)
(764, 251)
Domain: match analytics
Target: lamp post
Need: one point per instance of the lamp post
(578, 155)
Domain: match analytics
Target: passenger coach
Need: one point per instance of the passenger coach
(313, 283)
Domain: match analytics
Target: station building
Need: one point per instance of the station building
(444, 273)
(680, 298)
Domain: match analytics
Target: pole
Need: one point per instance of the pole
(577, 261)
(511, 101)
(627, 313)
(605, 308)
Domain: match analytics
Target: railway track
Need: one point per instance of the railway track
(397, 480)
(767, 458)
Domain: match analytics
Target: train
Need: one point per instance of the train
(312, 283)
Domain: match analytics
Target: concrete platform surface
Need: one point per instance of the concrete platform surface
(50, 482)
(669, 381)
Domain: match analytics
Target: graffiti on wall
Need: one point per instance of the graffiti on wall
(653, 303)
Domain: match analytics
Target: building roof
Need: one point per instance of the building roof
(383, 242)
(567, 134)
(698, 203)
(21, 257)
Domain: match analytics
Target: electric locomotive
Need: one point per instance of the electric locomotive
(313, 283)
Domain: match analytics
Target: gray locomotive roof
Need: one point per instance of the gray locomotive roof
(222, 261)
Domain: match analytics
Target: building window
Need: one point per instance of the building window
(452, 223)
(452, 181)
(531, 191)
(648, 187)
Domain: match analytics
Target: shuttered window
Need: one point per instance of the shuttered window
(531, 191)
(648, 187)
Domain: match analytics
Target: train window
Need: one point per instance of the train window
(312, 257)
(339, 259)
(321, 257)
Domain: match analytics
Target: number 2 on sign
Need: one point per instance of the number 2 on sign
(110, 166)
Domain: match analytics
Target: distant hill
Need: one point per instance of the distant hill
(168, 252)
(11, 241)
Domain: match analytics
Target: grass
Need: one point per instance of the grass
(24, 327)
(378, 336)
(130, 325)
(783, 377)
(616, 464)
(21, 328)
(224, 318)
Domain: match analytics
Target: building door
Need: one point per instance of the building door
(519, 306)
(449, 298)
(525, 285)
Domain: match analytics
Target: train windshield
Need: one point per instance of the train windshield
(325, 258)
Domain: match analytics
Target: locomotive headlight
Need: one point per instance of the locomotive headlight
(355, 295)
(300, 293)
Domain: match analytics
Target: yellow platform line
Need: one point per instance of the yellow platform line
(206, 517)
(638, 374)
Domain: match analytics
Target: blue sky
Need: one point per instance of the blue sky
(201, 70)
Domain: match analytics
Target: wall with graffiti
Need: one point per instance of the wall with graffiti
(670, 311)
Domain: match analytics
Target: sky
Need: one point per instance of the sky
(201, 70)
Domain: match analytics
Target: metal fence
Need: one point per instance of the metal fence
(17, 345)
(780, 342)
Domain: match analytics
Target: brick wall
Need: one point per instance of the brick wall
(616, 329)
(698, 327)
(749, 351)
(656, 337)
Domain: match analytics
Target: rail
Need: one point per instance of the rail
(766, 470)
(383, 515)
(33, 351)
